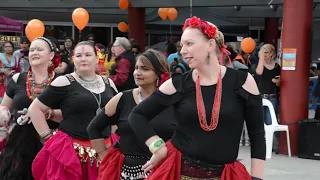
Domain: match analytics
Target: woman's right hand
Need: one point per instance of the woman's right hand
(261, 53)
(5, 116)
(157, 157)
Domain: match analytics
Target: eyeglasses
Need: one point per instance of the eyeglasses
(8, 46)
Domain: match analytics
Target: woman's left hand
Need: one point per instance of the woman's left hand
(276, 81)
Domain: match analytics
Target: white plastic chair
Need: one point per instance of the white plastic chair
(270, 129)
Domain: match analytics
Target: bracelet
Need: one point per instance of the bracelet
(47, 137)
(45, 133)
(155, 145)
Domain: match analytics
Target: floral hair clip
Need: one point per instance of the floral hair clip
(202, 25)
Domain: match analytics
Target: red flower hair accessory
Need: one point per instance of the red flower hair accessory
(164, 77)
(223, 50)
(55, 62)
(202, 25)
(97, 49)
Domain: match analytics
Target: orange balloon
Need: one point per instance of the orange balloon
(80, 18)
(123, 4)
(34, 29)
(248, 45)
(172, 14)
(163, 13)
(123, 27)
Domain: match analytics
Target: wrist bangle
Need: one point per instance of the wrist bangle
(155, 145)
(45, 133)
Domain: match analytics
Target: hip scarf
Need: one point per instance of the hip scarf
(64, 157)
(174, 167)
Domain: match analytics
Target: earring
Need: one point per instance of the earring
(208, 59)
(97, 67)
(157, 83)
(50, 64)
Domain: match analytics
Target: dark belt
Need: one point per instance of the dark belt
(196, 169)
(266, 96)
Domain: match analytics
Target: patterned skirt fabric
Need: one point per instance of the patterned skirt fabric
(192, 169)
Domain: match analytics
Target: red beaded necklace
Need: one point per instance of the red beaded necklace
(33, 89)
(215, 109)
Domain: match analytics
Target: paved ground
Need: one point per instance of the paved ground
(281, 167)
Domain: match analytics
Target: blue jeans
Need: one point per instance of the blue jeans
(267, 116)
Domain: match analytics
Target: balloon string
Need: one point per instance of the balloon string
(190, 8)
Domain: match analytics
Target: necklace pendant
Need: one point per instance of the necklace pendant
(98, 111)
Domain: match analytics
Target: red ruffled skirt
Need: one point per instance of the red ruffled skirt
(63, 157)
(170, 168)
(110, 167)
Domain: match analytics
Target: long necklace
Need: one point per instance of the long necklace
(92, 84)
(98, 102)
(140, 95)
(215, 109)
(33, 89)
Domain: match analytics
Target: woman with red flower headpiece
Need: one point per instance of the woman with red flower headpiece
(125, 161)
(211, 103)
(23, 142)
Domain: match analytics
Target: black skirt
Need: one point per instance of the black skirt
(22, 146)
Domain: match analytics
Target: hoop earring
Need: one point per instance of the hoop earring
(208, 59)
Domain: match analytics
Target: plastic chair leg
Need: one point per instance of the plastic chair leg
(288, 143)
(269, 141)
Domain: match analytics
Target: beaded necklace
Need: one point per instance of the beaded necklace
(33, 89)
(215, 109)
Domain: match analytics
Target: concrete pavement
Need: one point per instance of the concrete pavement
(281, 167)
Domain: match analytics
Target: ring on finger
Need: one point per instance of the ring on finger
(19, 120)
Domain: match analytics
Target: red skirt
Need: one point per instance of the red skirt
(63, 157)
(110, 167)
(170, 168)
